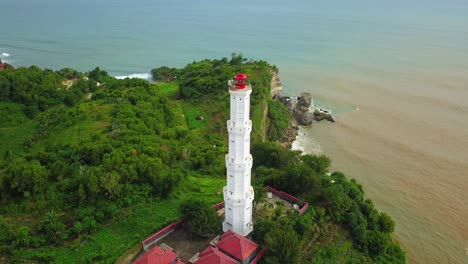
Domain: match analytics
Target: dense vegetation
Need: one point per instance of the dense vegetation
(91, 165)
(279, 116)
(340, 210)
(87, 159)
(200, 218)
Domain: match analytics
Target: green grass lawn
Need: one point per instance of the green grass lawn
(171, 90)
(190, 113)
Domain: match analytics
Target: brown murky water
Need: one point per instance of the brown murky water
(403, 133)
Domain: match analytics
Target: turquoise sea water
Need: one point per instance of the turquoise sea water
(394, 72)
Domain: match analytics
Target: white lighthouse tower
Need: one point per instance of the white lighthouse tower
(239, 194)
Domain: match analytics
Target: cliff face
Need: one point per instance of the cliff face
(276, 85)
(299, 108)
(276, 90)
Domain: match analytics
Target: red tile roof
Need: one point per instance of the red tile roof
(212, 255)
(3, 65)
(236, 245)
(157, 256)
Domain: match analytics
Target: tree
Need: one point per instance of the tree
(237, 59)
(393, 254)
(23, 236)
(200, 218)
(377, 243)
(299, 179)
(279, 119)
(283, 245)
(52, 227)
(272, 155)
(261, 228)
(26, 177)
(164, 73)
(319, 163)
(387, 225)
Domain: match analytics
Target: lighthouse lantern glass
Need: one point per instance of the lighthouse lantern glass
(240, 80)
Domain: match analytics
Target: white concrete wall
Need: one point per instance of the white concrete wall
(238, 193)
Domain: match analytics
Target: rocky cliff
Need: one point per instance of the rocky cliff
(299, 108)
(276, 85)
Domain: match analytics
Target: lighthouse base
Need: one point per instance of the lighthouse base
(246, 231)
(238, 212)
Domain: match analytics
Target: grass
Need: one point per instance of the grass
(15, 128)
(191, 112)
(170, 90)
(91, 119)
(117, 240)
(124, 235)
(257, 118)
(109, 242)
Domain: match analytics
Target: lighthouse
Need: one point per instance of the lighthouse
(238, 193)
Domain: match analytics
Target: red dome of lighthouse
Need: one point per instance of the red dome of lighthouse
(240, 80)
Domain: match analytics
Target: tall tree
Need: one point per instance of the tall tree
(284, 246)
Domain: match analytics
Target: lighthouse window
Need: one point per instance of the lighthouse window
(229, 209)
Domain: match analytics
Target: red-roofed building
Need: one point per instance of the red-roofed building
(157, 255)
(212, 255)
(3, 65)
(238, 247)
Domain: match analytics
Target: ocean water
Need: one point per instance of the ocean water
(394, 73)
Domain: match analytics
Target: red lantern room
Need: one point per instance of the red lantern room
(240, 80)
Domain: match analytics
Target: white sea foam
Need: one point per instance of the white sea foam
(144, 76)
(3, 57)
(305, 143)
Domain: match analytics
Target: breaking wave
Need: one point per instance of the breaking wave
(4, 56)
(144, 76)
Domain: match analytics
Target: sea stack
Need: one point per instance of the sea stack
(238, 193)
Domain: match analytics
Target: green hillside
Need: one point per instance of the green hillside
(91, 165)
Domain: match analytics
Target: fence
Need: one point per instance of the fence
(218, 206)
(147, 243)
(289, 198)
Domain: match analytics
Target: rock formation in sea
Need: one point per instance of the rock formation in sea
(299, 108)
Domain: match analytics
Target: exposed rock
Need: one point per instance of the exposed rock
(288, 102)
(290, 135)
(299, 108)
(276, 85)
(323, 115)
(304, 101)
(303, 118)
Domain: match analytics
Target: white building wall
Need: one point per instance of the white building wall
(238, 193)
